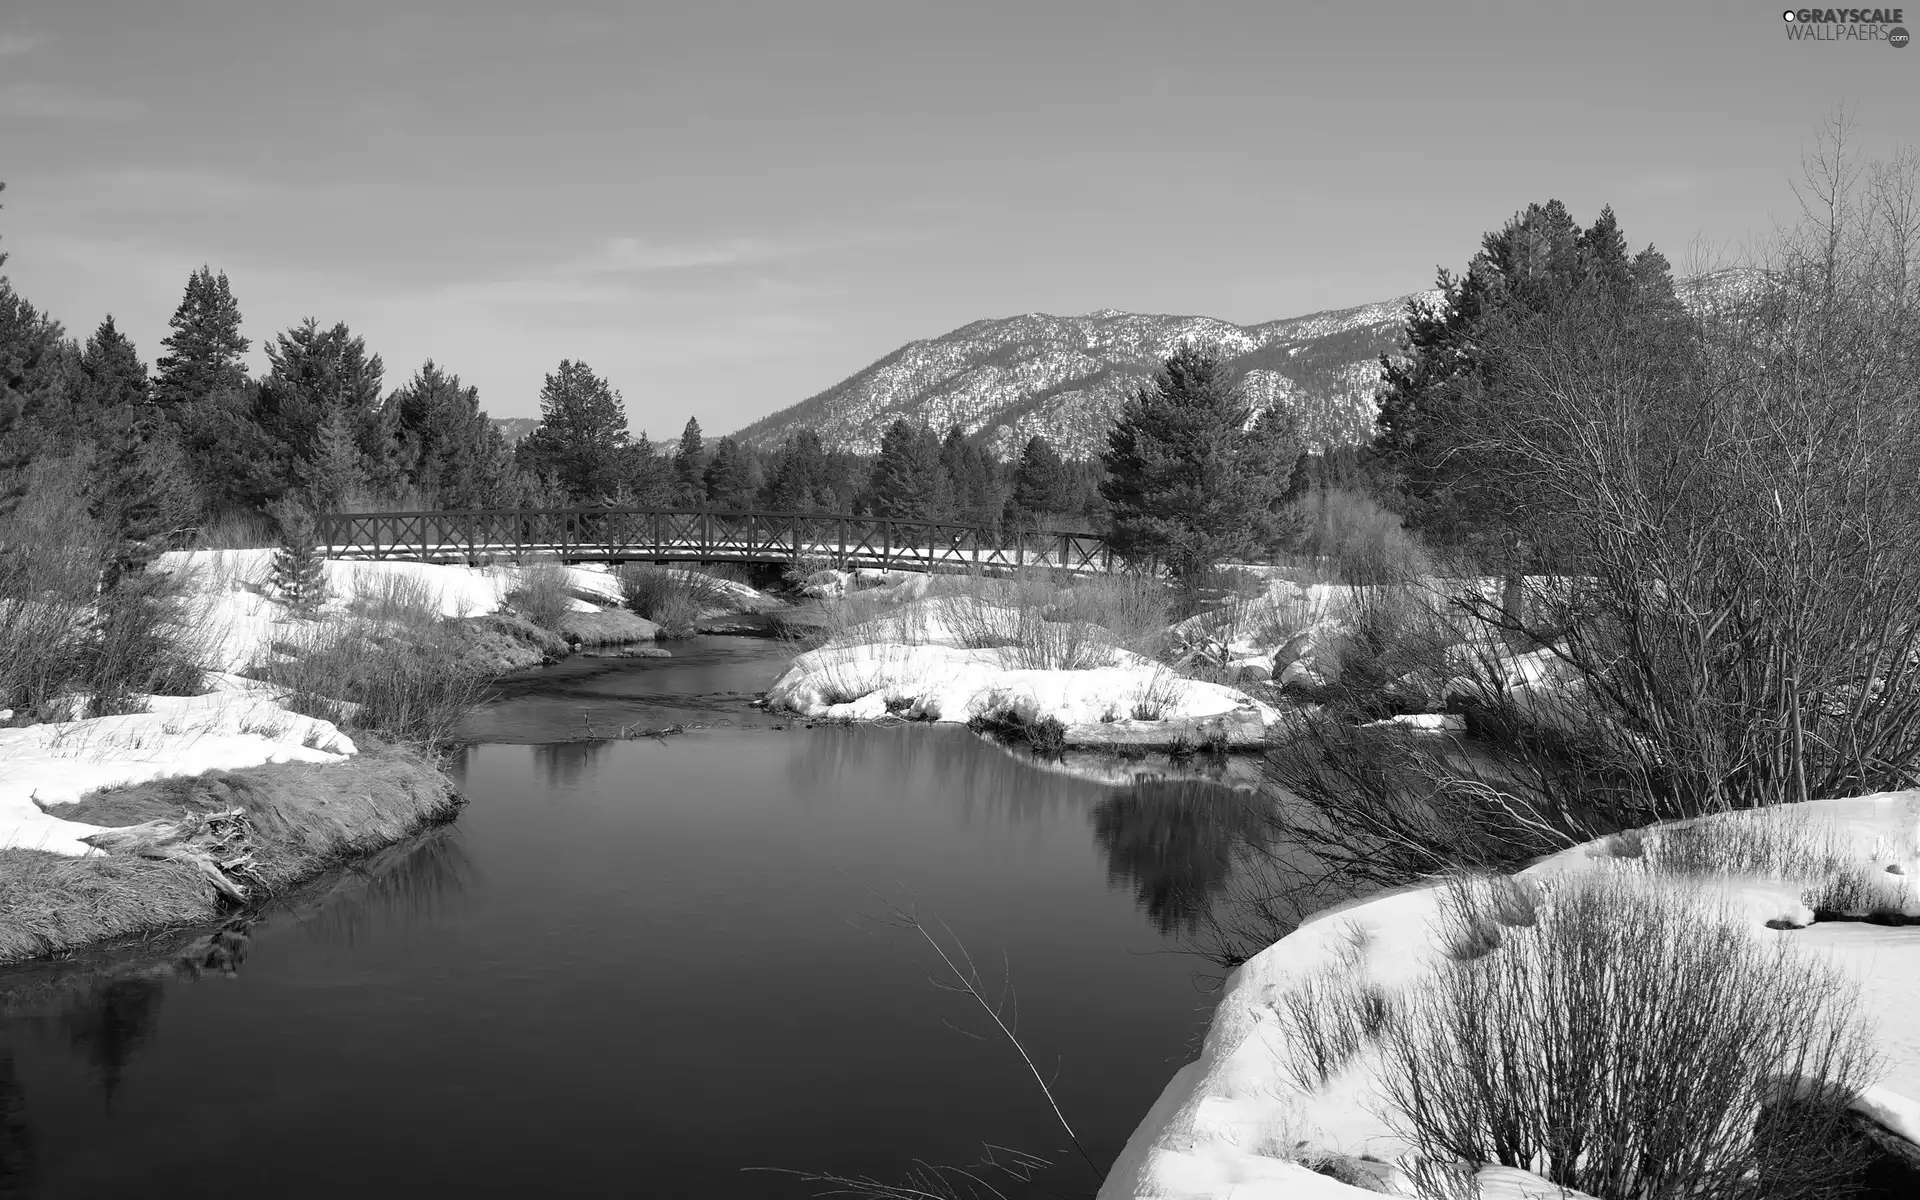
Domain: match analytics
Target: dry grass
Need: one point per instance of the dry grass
(50, 903)
(305, 817)
(413, 684)
(1043, 622)
(502, 642)
(407, 601)
(238, 531)
(607, 627)
(541, 594)
(675, 600)
(1823, 857)
(850, 672)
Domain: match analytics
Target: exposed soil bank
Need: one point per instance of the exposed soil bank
(299, 818)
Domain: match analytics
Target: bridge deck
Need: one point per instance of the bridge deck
(662, 535)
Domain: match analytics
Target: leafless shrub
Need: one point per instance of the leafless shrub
(1358, 539)
(1161, 694)
(1731, 498)
(1133, 609)
(64, 629)
(1386, 805)
(1549, 1055)
(540, 593)
(1330, 1014)
(672, 599)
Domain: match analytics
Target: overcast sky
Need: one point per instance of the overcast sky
(726, 207)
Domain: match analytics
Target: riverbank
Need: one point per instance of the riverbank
(185, 848)
(1299, 1087)
(134, 823)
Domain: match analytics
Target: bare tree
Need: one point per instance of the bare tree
(1742, 507)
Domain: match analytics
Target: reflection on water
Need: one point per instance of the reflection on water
(565, 764)
(108, 1003)
(16, 1136)
(1177, 844)
(111, 1025)
(396, 888)
(652, 935)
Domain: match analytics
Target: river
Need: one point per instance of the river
(643, 965)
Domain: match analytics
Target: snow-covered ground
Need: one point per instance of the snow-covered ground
(237, 609)
(1229, 1122)
(921, 661)
(236, 725)
(865, 681)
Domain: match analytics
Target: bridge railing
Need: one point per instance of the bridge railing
(670, 534)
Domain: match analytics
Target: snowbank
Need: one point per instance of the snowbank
(237, 611)
(236, 726)
(1224, 1120)
(938, 682)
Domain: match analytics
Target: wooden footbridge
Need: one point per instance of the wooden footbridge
(663, 535)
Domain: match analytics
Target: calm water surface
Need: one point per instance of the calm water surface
(635, 967)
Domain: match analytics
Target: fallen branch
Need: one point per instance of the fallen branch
(219, 844)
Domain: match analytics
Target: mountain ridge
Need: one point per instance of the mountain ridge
(1007, 378)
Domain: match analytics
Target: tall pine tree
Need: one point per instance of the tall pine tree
(690, 467)
(1192, 478)
(908, 480)
(732, 478)
(582, 441)
(973, 478)
(1043, 488)
(111, 373)
(447, 451)
(1537, 265)
(799, 478)
(205, 351)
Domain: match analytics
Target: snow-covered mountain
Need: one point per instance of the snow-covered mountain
(1066, 377)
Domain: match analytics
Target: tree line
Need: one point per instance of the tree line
(169, 449)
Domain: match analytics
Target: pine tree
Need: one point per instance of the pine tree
(314, 373)
(33, 380)
(732, 479)
(648, 474)
(236, 464)
(205, 348)
(1042, 486)
(582, 441)
(299, 573)
(973, 478)
(143, 493)
(689, 467)
(333, 474)
(442, 445)
(1192, 478)
(907, 480)
(799, 480)
(111, 373)
(1540, 263)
